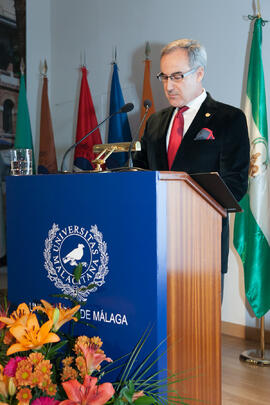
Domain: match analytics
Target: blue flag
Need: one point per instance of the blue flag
(119, 130)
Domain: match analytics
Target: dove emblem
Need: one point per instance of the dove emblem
(74, 256)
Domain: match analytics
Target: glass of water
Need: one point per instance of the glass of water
(21, 162)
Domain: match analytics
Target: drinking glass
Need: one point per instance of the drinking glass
(21, 162)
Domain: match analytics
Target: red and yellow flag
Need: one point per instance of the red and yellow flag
(47, 162)
(85, 123)
(147, 93)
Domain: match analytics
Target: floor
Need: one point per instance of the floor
(242, 384)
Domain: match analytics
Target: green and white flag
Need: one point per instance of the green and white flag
(23, 137)
(252, 228)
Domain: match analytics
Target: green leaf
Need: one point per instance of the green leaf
(145, 400)
(118, 402)
(55, 348)
(128, 392)
(69, 298)
(78, 272)
(88, 287)
(134, 355)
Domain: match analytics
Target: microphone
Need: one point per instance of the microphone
(124, 109)
(147, 105)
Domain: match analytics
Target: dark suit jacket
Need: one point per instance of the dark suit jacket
(227, 154)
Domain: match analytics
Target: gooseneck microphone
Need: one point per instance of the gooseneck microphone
(147, 105)
(124, 109)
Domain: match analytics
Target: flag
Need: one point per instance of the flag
(23, 137)
(147, 93)
(86, 121)
(119, 130)
(252, 228)
(47, 162)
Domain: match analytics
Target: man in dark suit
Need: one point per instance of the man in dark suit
(214, 136)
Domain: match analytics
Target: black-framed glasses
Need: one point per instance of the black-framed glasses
(174, 77)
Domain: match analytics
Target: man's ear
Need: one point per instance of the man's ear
(200, 73)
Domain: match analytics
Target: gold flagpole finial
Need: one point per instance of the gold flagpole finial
(22, 66)
(258, 9)
(147, 50)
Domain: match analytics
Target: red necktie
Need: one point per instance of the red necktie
(176, 135)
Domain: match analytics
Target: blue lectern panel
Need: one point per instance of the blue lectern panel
(112, 223)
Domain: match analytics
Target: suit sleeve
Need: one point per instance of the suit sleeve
(234, 159)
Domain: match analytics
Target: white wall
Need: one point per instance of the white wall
(61, 30)
(38, 48)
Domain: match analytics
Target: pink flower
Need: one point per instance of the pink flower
(45, 401)
(92, 358)
(88, 393)
(11, 367)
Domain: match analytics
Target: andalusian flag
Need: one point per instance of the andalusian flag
(23, 137)
(252, 228)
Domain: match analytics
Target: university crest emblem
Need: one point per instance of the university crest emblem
(70, 246)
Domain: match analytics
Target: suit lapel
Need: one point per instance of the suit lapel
(162, 135)
(201, 119)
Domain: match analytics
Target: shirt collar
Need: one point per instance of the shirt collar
(196, 102)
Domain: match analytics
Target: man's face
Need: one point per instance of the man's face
(180, 93)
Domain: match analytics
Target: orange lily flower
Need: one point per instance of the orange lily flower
(19, 316)
(3, 383)
(65, 314)
(3, 313)
(92, 357)
(31, 335)
(7, 385)
(88, 393)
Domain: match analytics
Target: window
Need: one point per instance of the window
(7, 116)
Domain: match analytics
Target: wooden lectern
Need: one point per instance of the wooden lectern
(150, 241)
(194, 287)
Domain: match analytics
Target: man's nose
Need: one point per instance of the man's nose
(169, 84)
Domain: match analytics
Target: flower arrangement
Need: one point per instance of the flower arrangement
(39, 365)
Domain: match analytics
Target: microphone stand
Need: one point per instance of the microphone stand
(126, 108)
(77, 143)
(130, 161)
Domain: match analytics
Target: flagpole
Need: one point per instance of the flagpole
(257, 357)
(262, 338)
(259, 8)
(255, 250)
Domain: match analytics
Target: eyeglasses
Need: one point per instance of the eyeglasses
(175, 77)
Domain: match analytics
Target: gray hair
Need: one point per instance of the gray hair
(196, 52)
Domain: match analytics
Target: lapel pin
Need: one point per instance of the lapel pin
(207, 115)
